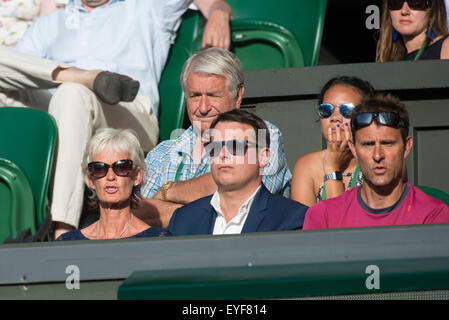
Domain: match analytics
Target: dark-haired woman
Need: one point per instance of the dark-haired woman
(328, 173)
(413, 30)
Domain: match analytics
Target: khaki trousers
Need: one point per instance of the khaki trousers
(78, 113)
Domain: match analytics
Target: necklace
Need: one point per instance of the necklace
(121, 233)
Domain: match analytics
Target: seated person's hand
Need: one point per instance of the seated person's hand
(217, 32)
(338, 153)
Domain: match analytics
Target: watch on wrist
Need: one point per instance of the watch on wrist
(165, 188)
(336, 175)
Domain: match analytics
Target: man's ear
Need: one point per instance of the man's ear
(238, 99)
(408, 146)
(352, 148)
(264, 157)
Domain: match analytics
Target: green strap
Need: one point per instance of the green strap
(181, 166)
(355, 177)
(421, 50)
(179, 170)
(352, 184)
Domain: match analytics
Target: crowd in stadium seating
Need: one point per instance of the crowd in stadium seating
(336, 101)
(380, 143)
(127, 37)
(212, 81)
(201, 183)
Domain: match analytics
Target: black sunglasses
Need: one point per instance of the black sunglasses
(121, 168)
(413, 4)
(390, 119)
(325, 110)
(236, 147)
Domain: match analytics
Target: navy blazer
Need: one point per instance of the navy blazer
(269, 212)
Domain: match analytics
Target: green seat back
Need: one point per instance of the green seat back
(16, 201)
(171, 107)
(436, 193)
(304, 19)
(27, 138)
(268, 34)
(263, 45)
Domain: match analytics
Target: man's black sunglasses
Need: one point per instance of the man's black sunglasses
(121, 168)
(390, 119)
(236, 147)
(413, 4)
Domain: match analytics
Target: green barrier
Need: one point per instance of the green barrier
(288, 281)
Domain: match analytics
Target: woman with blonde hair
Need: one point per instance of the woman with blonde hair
(413, 30)
(114, 167)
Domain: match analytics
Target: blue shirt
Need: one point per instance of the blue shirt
(173, 160)
(130, 37)
(150, 232)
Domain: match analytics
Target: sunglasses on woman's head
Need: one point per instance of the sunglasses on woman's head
(325, 110)
(390, 119)
(236, 147)
(121, 168)
(413, 4)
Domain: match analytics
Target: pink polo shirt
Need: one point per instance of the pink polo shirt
(349, 211)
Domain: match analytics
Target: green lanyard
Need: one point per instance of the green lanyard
(352, 184)
(421, 50)
(181, 166)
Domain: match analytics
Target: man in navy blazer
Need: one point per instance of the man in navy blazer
(239, 150)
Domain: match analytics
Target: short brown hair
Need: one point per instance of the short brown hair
(245, 117)
(383, 103)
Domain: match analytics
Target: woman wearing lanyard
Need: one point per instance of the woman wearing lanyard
(413, 30)
(328, 173)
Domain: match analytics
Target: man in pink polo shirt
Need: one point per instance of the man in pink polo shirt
(380, 143)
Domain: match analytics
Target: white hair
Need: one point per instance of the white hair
(218, 62)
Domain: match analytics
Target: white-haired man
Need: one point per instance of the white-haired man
(178, 169)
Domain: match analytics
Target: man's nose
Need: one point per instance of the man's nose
(223, 152)
(378, 153)
(204, 106)
(225, 155)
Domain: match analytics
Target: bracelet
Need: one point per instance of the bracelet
(336, 175)
(165, 188)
